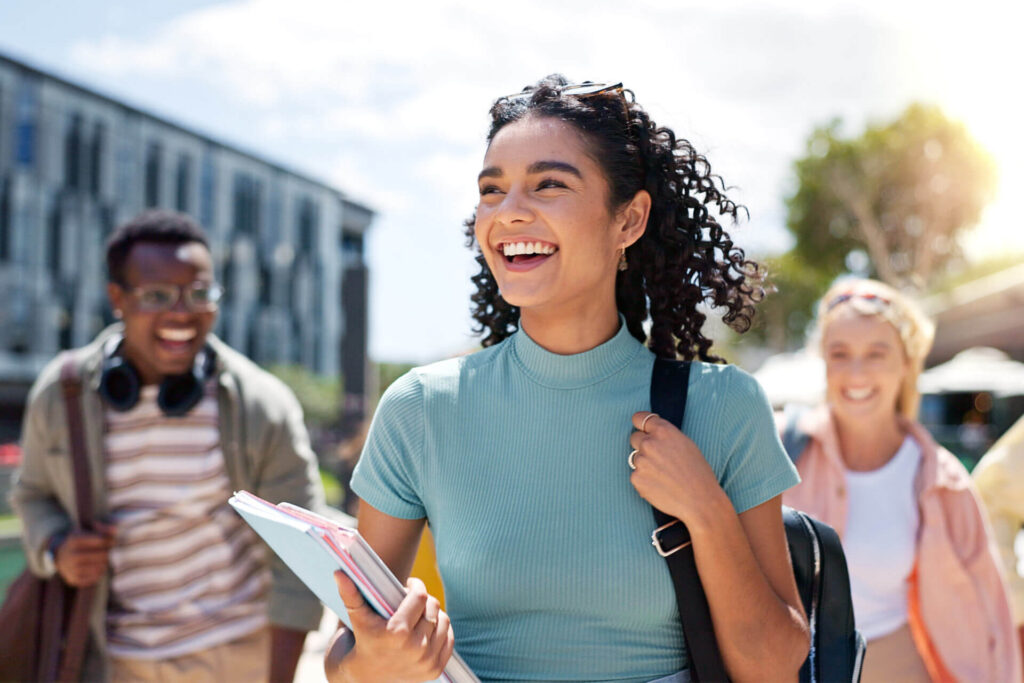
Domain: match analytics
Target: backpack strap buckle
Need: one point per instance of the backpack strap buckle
(656, 539)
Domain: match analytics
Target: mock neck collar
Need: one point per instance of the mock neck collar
(575, 370)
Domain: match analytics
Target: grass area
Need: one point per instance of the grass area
(10, 525)
(12, 560)
(333, 490)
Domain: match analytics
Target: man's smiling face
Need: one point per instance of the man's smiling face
(160, 343)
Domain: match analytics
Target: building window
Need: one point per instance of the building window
(183, 180)
(266, 284)
(25, 114)
(127, 174)
(207, 192)
(352, 245)
(152, 188)
(272, 232)
(247, 194)
(306, 222)
(73, 153)
(55, 243)
(5, 219)
(99, 133)
(106, 219)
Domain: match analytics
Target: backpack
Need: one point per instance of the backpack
(819, 567)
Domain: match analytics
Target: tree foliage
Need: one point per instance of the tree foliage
(902, 192)
(320, 397)
(787, 311)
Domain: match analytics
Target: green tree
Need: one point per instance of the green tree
(388, 373)
(901, 192)
(785, 314)
(320, 397)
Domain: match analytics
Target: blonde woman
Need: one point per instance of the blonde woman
(928, 590)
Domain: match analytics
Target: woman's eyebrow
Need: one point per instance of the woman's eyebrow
(542, 166)
(535, 167)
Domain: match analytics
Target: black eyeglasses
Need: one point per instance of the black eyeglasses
(157, 297)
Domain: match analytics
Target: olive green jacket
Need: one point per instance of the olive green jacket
(266, 451)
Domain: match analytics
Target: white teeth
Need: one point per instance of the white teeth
(858, 394)
(176, 335)
(518, 248)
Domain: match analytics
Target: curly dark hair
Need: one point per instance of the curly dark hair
(153, 225)
(684, 258)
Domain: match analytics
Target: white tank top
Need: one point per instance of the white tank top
(881, 539)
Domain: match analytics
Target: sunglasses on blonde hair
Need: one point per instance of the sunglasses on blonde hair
(846, 296)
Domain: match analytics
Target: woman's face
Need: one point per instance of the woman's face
(543, 222)
(865, 366)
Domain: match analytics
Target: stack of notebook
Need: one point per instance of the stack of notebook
(314, 548)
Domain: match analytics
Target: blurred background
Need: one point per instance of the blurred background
(330, 150)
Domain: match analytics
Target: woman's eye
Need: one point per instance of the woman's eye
(548, 183)
(488, 189)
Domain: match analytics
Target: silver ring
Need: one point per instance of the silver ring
(632, 454)
(643, 423)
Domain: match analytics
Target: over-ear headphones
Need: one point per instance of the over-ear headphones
(120, 384)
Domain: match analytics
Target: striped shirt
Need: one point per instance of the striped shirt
(187, 572)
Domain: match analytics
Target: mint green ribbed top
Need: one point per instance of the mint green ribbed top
(517, 456)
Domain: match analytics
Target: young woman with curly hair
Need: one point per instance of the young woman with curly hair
(592, 219)
(928, 594)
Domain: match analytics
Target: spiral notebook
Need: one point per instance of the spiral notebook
(314, 547)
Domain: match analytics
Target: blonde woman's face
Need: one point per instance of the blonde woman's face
(865, 366)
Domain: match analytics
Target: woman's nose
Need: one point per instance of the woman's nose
(858, 366)
(513, 208)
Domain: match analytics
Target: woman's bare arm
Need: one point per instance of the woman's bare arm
(744, 566)
(743, 560)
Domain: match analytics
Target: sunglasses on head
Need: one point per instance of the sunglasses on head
(581, 90)
(157, 297)
(846, 296)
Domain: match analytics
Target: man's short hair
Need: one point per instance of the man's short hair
(155, 225)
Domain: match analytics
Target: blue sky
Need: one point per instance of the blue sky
(388, 100)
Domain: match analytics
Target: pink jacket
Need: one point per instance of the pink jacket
(959, 610)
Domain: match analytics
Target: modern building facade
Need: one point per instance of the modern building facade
(75, 163)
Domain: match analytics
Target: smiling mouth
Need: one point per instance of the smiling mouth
(526, 252)
(858, 394)
(176, 335)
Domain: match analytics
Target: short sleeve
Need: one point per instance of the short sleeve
(756, 466)
(387, 474)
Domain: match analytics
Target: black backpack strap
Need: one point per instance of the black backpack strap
(669, 384)
(794, 440)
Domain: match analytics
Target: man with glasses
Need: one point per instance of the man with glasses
(177, 421)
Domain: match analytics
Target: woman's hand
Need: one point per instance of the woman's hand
(413, 645)
(671, 473)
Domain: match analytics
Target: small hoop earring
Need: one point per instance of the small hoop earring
(623, 264)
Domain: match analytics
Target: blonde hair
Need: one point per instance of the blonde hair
(916, 331)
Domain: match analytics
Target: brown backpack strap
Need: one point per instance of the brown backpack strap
(77, 633)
